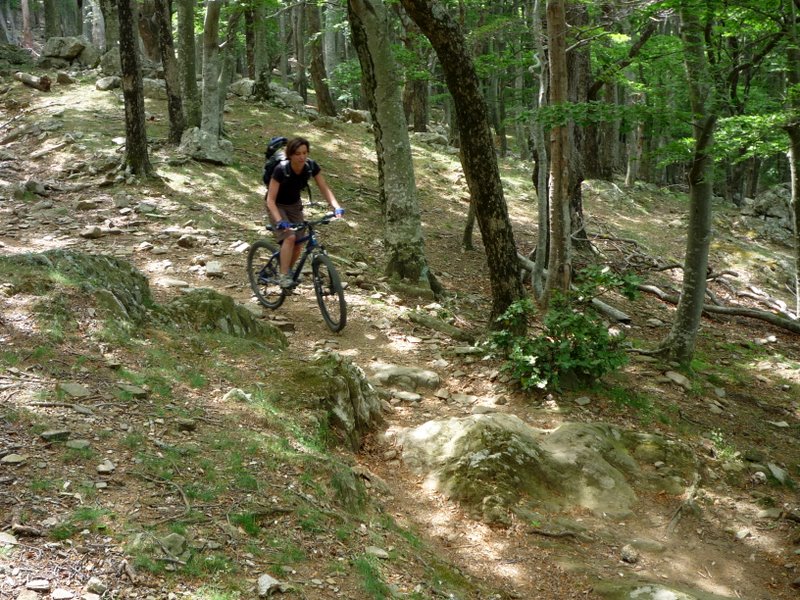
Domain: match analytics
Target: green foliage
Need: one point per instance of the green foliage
(574, 345)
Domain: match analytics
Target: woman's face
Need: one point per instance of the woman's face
(298, 159)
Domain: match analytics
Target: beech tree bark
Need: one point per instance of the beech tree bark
(210, 120)
(402, 228)
(477, 150)
(680, 343)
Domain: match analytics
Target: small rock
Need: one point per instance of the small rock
(73, 390)
(92, 233)
(13, 459)
(583, 401)
(78, 444)
(55, 435)
(742, 534)
(106, 467)
(268, 585)
(442, 393)
(38, 585)
(6, 539)
(679, 379)
(377, 552)
(629, 554)
(62, 594)
(184, 424)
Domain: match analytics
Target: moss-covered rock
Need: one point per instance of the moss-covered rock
(207, 310)
(333, 383)
(116, 286)
(495, 460)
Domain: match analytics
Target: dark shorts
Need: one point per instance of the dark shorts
(292, 213)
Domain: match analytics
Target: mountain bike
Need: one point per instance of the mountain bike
(263, 271)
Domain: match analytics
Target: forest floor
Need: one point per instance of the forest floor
(740, 539)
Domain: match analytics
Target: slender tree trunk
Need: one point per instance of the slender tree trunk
(261, 89)
(210, 120)
(52, 19)
(136, 157)
(148, 32)
(477, 152)
(187, 64)
(793, 129)
(298, 29)
(110, 12)
(559, 266)
(27, 36)
(167, 51)
(542, 171)
(680, 343)
(402, 232)
(319, 78)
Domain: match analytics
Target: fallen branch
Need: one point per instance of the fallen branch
(40, 83)
(430, 322)
(787, 323)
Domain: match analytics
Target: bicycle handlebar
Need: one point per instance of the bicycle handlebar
(324, 220)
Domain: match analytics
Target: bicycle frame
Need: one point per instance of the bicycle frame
(312, 245)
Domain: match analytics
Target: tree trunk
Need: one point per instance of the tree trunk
(402, 232)
(52, 19)
(166, 50)
(136, 157)
(27, 36)
(148, 31)
(793, 129)
(680, 343)
(300, 83)
(261, 59)
(319, 79)
(210, 120)
(477, 152)
(578, 83)
(110, 11)
(559, 266)
(187, 63)
(542, 170)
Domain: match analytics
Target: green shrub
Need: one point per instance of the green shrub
(573, 345)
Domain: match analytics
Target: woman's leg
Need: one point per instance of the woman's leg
(289, 253)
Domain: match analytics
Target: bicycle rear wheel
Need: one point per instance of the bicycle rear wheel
(330, 295)
(263, 271)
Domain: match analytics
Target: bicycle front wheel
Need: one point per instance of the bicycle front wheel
(263, 271)
(330, 295)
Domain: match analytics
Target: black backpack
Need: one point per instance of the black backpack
(272, 156)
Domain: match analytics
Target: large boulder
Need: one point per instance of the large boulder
(110, 62)
(67, 48)
(286, 98)
(493, 462)
(770, 214)
(242, 87)
(203, 146)
(155, 89)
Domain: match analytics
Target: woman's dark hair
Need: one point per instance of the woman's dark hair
(294, 145)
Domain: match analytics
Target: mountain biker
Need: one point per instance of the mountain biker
(284, 205)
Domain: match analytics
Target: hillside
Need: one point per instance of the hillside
(255, 482)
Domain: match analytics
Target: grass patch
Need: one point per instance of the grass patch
(84, 517)
(371, 577)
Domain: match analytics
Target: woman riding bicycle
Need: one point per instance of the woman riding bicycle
(284, 205)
